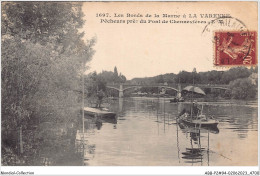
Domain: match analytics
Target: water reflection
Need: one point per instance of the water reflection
(96, 122)
(240, 117)
(91, 123)
(84, 148)
(52, 144)
(146, 133)
(195, 153)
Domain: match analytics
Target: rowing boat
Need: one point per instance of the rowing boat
(99, 112)
(200, 121)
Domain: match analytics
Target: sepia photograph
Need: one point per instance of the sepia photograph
(129, 84)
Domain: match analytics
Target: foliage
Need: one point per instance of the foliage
(43, 57)
(107, 75)
(112, 77)
(117, 78)
(93, 83)
(121, 78)
(115, 74)
(43, 22)
(160, 79)
(235, 73)
(209, 77)
(168, 77)
(242, 88)
(187, 77)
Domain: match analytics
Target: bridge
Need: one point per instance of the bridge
(177, 87)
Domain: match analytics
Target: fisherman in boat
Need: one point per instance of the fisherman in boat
(196, 110)
(183, 112)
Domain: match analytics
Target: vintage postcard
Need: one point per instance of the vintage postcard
(129, 84)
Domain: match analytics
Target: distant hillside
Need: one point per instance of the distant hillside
(168, 77)
(209, 77)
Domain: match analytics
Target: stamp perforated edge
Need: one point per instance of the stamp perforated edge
(239, 65)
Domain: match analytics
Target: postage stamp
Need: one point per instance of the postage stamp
(234, 48)
(233, 43)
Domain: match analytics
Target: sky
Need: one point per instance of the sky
(150, 49)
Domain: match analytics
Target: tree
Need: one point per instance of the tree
(93, 84)
(108, 76)
(160, 79)
(122, 78)
(235, 73)
(43, 22)
(242, 88)
(115, 80)
(115, 72)
(184, 77)
(42, 61)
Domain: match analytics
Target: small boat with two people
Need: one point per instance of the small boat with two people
(194, 116)
(177, 99)
(198, 121)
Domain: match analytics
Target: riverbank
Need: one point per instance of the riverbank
(48, 143)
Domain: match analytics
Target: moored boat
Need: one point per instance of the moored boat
(102, 113)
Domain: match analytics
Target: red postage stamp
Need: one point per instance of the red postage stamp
(235, 48)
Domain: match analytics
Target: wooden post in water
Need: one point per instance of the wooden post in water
(157, 103)
(164, 113)
(208, 148)
(83, 104)
(191, 147)
(192, 94)
(21, 140)
(199, 145)
(158, 110)
(83, 125)
(178, 148)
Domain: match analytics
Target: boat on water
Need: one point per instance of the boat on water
(200, 121)
(195, 116)
(188, 127)
(176, 99)
(101, 112)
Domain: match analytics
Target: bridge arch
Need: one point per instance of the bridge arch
(131, 87)
(167, 87)
(113, 88)
(121, 89)
(178, 90)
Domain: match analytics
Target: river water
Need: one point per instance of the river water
(146, 134)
